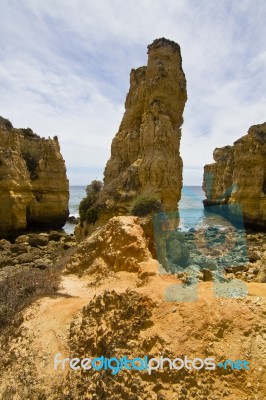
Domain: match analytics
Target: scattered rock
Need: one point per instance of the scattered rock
(73, 220)
(25, 258)
(207, 275)
(18, 248)
(41, 264)
(55, 236)
(36, 240)
(254, 256)
(33, 251)
(4, 245)
(22, 239)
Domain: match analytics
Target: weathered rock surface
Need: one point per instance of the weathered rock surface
(134, 324)
(33, 251)
(119, 308)
(118, 245)
(125, 243)
(34, 189)
(145, 151)
(242, 166)
(145, 157)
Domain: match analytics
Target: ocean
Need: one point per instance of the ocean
(191, 209)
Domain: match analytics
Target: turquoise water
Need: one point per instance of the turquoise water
(191, 209)
(192, 213)
(190, 205)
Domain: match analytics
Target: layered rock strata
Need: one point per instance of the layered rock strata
(34, 190)
(238, 176)
(145, 151)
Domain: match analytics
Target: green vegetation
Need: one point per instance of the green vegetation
(91, 215)
(6, 123)
(146, 204)
(28, 132)
(88, 208)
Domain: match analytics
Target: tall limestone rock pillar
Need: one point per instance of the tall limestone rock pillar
(145, 152)
(238, 176)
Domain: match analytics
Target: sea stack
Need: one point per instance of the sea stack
(34, 189)
(145, 155)
(238, 176)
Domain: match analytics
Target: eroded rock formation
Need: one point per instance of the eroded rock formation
(121, 244)
(119, 307)
(130, 314)
(145, 151)
(34, 188)
(238, 176)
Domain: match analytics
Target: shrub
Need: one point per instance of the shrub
(145, 204)
(20, 290)
(6, 123)
(28, 132)
(84, 205)
(92, 215)
(88, 208)
(94, 188)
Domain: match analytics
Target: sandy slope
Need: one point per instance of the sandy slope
(229, 328)
(118, 307)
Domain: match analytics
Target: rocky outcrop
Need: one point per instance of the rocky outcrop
(130, 313)
(119, 309)
(34, 189)
(119, 245)
(238, 176)
(145, 151)
(126, 243)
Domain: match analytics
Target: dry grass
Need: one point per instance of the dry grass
(20, 290)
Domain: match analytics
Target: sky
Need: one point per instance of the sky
(65, 65)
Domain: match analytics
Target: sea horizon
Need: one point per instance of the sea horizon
(190, 206)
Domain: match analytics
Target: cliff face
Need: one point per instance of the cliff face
(145, 151)
(242, 166)
(33, 184)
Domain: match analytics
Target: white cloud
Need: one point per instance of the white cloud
(65, 71)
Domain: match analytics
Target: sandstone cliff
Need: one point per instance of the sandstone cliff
(145, 151)
(238, 176)
(33, 183)
(145, 157)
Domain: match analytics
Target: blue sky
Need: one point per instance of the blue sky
(65, 65)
